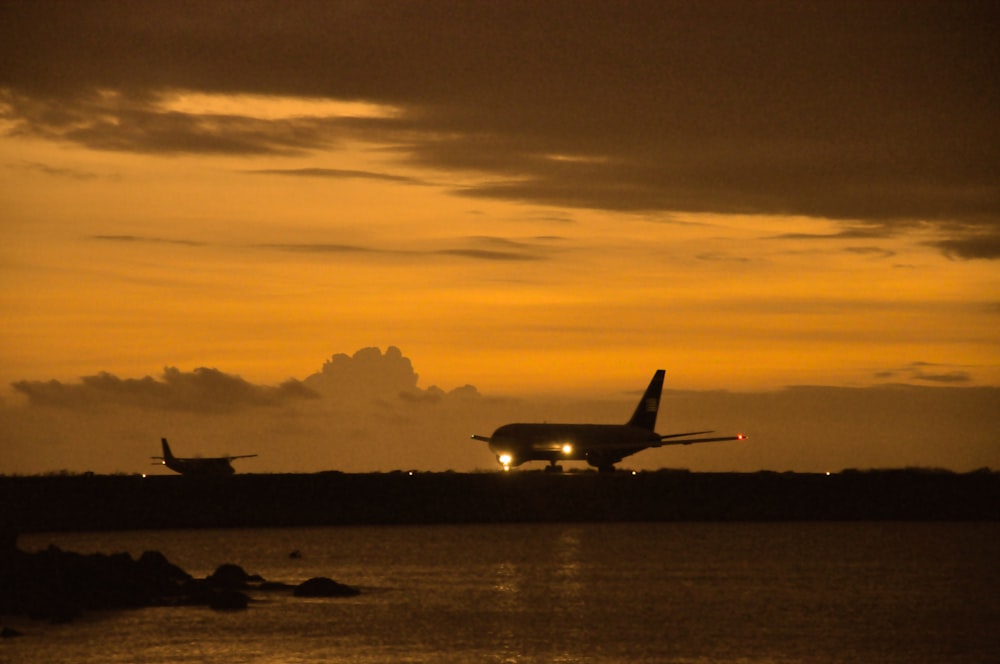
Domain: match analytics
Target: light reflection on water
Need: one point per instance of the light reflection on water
(684, 592)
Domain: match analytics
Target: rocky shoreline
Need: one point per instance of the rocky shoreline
(58, 586)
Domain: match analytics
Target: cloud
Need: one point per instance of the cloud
(59, 172)
(367, 371)
(321, 248)
(927, 372)
(371, 374)
(854, 112)
(721, 257)
(201, 390)
(145, 239)
(978, 246)
(337, 173)
(854, 233)
(485, 254)
(936, 374)
(512, 250)
(875, 252)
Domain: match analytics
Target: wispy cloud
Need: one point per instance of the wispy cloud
(337, 173)
(321, 248)
(56, 171)
(140, 239)
(721, 257)
(929, 372)
(874, 252)
(484, 248)
(488, 255)
(854, 233)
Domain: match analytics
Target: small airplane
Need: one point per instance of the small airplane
(600, 445)
(202, 466)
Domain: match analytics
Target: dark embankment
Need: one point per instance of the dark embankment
(47, 503)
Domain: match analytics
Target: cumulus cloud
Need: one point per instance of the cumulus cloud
(370, 373)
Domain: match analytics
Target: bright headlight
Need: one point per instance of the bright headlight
(567, 449)
(505, 459)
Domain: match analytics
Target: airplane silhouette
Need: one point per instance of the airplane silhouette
(198, 465)
(600, 445)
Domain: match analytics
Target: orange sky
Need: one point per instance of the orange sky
(532, 199)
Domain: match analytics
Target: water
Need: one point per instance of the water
(661, 592)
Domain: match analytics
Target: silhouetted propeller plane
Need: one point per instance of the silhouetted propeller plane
(198, 465)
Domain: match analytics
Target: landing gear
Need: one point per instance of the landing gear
(553, 467)
(606, 468)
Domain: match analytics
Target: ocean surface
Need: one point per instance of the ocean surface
(644, 592)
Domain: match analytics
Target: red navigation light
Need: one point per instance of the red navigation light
(740, 436)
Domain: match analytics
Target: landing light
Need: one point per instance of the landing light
(505, 459)
(567, 449)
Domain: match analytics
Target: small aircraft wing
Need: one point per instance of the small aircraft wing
(485, 439)
(240, 456)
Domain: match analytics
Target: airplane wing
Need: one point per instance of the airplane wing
(240, 456)
(687, 441)
(678, 435)
(485, 439)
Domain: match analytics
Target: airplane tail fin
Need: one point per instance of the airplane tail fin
(167, 454)
(645, 413)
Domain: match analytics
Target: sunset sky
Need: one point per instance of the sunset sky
(537, 199)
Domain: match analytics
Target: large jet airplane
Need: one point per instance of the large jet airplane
(600, 445)
(198, 465)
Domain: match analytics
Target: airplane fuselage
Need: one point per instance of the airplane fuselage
(214, 466)
(570, 442)
(199, 466)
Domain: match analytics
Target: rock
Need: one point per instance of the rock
(154, 564)
(321, 586)
(231, 576)
(58, 585)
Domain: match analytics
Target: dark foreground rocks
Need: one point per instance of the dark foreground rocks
(321, 586)
(58, 586)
